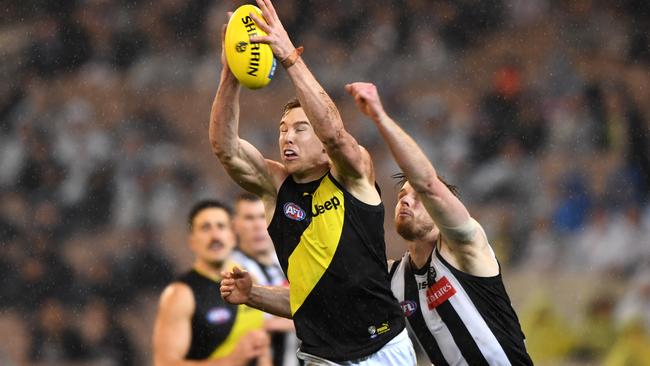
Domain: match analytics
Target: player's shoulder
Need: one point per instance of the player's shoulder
(393, 264)
(177, 295)
(277, 171)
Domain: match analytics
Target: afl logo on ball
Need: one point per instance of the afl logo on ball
(293, 211)
(218, 315)
(241, 47)
(409, 307)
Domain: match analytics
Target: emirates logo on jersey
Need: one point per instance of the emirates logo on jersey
(409, 307)
(440, 292)
(218, 315)
(293, 211)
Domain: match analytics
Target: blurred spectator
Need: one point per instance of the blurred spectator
(54, 340)
(548, 337)
(142, 266)
(631, 347)
(106, 342)
(597, 333)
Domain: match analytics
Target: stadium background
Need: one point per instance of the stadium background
(537, 109)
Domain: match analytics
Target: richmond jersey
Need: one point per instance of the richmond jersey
(217, 325)
(331, 246)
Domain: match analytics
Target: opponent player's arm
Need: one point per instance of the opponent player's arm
(351, 161)
(237, 288)
(172, 333)
(243, 162)
(449, 213)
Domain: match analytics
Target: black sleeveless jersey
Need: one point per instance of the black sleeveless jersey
(331, 246)
(216, 325)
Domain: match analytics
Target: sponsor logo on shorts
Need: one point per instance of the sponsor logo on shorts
(218, 315)
(409, 307)
(293, 211)
(375, 331)
(440, 292)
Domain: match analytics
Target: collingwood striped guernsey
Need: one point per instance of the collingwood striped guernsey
(459, 319)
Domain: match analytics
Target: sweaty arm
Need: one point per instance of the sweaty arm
(352, 163)
(243, 162)
(237, 288)
(172, 331)
(450, 215)
(271, 299)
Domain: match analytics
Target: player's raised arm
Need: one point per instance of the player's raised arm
(351, 161)
(445, 208)
(243, 162)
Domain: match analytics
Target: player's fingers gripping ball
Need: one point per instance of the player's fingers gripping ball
(252, 64)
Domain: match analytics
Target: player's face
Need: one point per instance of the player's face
(300, 148)
(211, 238)
(412, 220)
(250, 227)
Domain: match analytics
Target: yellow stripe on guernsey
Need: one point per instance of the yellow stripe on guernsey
(318, 243)
(247, 319)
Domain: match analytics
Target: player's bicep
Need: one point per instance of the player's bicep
(172, 329)
(250, 170)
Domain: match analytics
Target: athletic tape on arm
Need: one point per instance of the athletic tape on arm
(462, 233)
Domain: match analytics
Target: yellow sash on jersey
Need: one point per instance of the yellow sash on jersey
(246, 319)
(318, 243)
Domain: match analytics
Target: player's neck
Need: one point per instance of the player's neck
(420, 250)
(212, 271)
(311, 174)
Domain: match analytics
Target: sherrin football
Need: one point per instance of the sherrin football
(252, 64)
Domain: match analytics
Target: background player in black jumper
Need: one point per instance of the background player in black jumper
(194, 326)
(324, 212)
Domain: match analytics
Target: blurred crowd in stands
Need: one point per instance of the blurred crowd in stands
(537, 109)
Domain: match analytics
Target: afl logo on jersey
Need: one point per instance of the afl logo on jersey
(293, 211)
(218, 315)
(409, 307)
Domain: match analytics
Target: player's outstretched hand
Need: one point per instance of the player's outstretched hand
(236, 286)
(367, 99)
(277, 36)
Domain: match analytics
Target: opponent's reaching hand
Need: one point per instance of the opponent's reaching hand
(367, 100)
(236, 286)
(277, 37)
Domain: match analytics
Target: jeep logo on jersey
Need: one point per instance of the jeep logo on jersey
(409, 307)
(293, 211)
(332, 203)
(218, 315)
